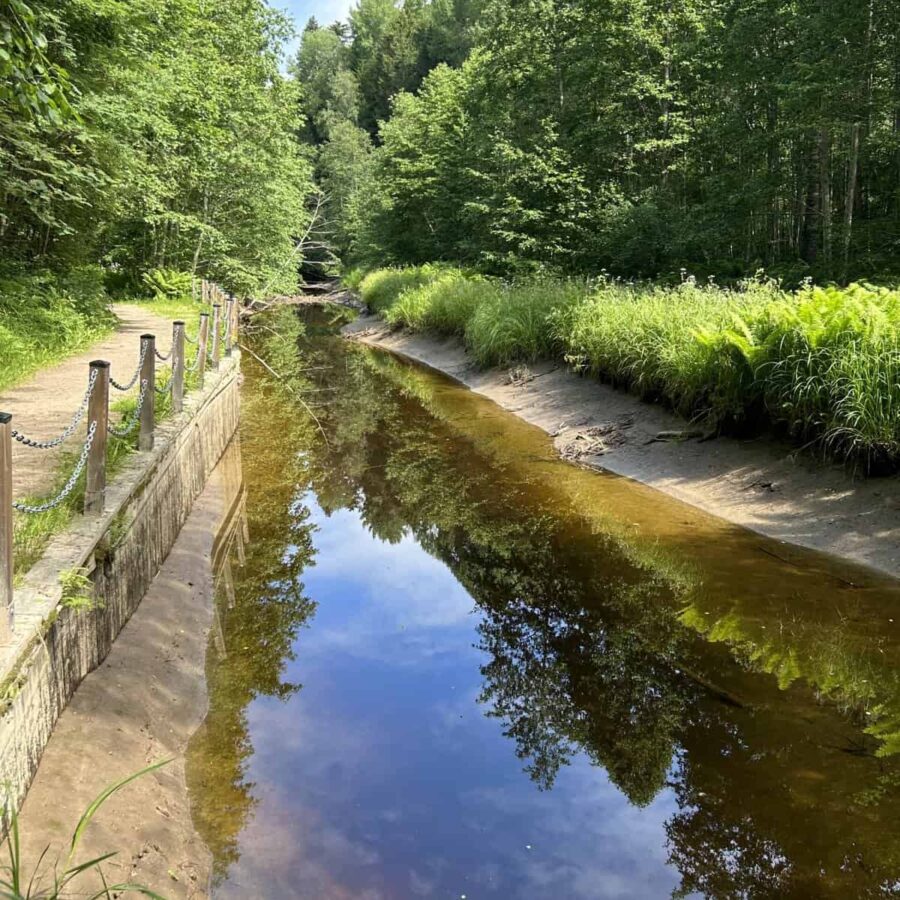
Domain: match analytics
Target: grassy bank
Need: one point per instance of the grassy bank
(47, 316)
(821, 364)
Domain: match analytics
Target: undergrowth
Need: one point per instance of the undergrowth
(821, 364)
(46, 316)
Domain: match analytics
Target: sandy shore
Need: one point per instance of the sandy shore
(763, 485)
(142, 705)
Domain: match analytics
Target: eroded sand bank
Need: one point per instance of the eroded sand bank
(761, 484)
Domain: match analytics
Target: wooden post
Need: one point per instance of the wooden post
(201, 347)
(228, 304)
(148, 374)
(6, 530)
(235, 319)
(217, 334)
(98, 411)
(177, 366)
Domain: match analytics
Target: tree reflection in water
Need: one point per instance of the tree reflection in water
(779, 794)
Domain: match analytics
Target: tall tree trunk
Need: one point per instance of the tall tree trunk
(825, 211)
(196, 261)
(773, 251)
(850, 199)
(812, 219)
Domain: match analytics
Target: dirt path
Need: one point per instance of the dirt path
(763, 485)
(44, 405)
(141, 706)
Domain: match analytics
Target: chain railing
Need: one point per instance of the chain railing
(145, 345)
(70, 428)
(135, 418)
(69, 485)
(166, 390)
(195, 364)
(91, 461)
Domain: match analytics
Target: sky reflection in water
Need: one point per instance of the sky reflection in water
(383, 778)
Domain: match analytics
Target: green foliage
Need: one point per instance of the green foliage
(45, 316)
(180, 153)
(77, 590)
(636, 137)
(514, 323)
(822, 364)
(168, 283)
(381, 288)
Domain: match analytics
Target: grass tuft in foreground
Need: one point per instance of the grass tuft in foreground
(65, 877)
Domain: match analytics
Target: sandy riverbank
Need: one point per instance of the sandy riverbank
(142, 705)
(760, 484)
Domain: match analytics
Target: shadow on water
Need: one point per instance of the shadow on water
(432, 605)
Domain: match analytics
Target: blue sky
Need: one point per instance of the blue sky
(326, 11)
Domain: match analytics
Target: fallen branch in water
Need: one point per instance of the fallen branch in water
(285, 382)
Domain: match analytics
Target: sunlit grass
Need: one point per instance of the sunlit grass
(181, 308)
(821, 364)
(46, 317)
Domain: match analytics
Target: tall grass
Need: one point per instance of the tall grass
(63, 877)
(46, 316)
(820, 364)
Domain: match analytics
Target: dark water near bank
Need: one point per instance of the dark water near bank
(457, 667)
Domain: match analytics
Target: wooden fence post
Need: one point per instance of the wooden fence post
(98, 411)
(201, 347)
(148, 374)
(235, 318)
(228, 304)
(6, 530)
(177, 366)
(217, 334)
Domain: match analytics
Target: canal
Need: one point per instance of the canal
(454, 666)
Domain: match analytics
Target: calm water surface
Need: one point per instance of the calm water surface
(456, 667)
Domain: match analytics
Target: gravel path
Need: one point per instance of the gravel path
(44, 405)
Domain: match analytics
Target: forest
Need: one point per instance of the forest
(640, 137)
(670, 196)
(539, 149)
(635, 137)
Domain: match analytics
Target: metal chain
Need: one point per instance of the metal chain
(127, 387)
(70, 429)
(127, 429)
(167, 389)
(164, 357)
(189, 339)
(69, 485)
(194, 365)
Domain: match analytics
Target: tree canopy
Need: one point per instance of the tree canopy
(638, 136)
(155, 133)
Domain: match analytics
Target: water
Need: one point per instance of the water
(456, 666)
